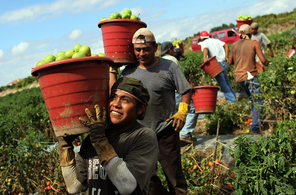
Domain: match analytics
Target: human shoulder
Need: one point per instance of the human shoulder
(172, 58)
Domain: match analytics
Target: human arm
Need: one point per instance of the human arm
(112, 76)
(269, 47)
(68, 164)
(226, 47)
(230, 60)
(257, 48)
(205, 54)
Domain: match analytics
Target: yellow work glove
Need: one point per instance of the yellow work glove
(65, 150)
(97, 126)
(177, 45)
(180, 116)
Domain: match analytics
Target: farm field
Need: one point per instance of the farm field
(266, 165)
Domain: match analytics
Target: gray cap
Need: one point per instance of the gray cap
(255, 25)
(165, 47)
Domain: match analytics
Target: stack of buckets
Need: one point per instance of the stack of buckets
(71, 85)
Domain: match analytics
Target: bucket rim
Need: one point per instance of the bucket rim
(70, 60)
(203, 64)
(244, 20)
(206, 86)
(121, 21)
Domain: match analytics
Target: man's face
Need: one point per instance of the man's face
(254, 30)
(171, 51)
(145, 53)
(123, 109)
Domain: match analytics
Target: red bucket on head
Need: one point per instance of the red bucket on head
(205, 99)
(117, 38)
(71, 85)
(212, 67)
(241, 22)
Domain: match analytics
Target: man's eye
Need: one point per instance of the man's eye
(125, 99)
(138, 50)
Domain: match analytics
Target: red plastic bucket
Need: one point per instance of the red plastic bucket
(212, 67)
(241, 22)
(117, 38)
(71, 85)
(205, 99)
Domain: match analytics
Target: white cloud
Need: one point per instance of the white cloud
(75, 34)
(1, 53)
(20, 48)
(45, 11)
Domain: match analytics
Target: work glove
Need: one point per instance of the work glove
(65, 150)
(180, 116)
(97, 126)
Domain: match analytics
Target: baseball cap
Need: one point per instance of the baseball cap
(143, 35)
(204, 34)
(255, 25)
(165, 47)
(132, 87)
(245, 29)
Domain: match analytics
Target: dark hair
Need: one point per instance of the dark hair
(249, 35)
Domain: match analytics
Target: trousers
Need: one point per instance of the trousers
(170, 160)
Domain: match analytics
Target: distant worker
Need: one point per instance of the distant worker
(242, 55)
(293, 39)
(214, 47)
(167, 52)
(178, 52)
(261, 38)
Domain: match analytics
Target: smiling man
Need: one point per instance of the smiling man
(114, 159)
(161, 77)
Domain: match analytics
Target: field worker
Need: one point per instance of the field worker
(162, 77)
(214, 47)
(242, 55)
(178, 53)
(293, 38)
(114, 159)
(261, 38)
(167, 52)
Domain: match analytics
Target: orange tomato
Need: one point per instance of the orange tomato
(58, 190)
(230, 185)
(232, 174)
(217, 161)
(210, 164)
(78, 143)
(195, 167)
(48, 183)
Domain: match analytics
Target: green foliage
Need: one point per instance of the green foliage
(21, 84)
(270, 19)
(266, 165)
(192, 71)
(21, 112)
(231, 115)
(25, 163)
(196, 170)
(278, 85)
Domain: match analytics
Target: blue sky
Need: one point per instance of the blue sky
(32, 29)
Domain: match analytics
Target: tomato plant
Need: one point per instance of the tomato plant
(266, 165)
